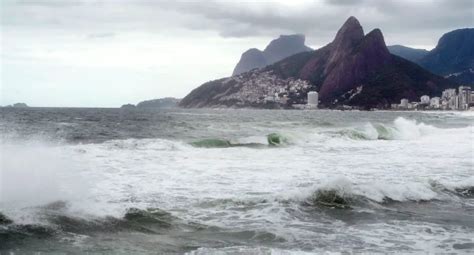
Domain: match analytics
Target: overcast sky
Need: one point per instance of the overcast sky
(106, 53)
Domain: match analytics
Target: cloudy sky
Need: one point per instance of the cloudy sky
(105, 53)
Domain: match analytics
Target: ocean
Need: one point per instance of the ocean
(221, 181)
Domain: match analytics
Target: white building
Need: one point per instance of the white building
(313, 98)
(404, 103)
(448, 94)
(435, 102)
(457, 103)
(448, 99)
(425, 99)
(464, 97)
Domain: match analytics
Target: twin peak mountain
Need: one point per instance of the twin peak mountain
(354, 69)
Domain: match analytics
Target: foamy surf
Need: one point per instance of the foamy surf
(363, 177)
(400, 129)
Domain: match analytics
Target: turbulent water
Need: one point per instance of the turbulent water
(235, 181)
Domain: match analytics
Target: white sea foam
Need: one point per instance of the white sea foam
(247, 250)
(410, 129)
(264, 185)
(401, 129)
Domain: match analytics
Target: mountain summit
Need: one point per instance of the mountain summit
(347, 60)
(278, 49)
(354, 69)
(348, 35)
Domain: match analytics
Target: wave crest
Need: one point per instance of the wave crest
(401, 129)
(342, 193)
(273, 139)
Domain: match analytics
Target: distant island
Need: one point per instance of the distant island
(166, 102)
(17, 105)
(128, 106)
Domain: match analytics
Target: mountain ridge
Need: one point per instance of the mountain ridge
(412, 54)
(349, 70)
(453, 56)
(453, 53)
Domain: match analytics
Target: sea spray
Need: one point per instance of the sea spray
(35, 173)
(410, 129)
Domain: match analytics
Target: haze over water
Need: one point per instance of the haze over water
(209, 181)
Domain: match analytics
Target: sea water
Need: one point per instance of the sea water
(220, 181)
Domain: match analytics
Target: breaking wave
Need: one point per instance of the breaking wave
(60, 226)
(342, 193)
(402, 129)
(273, 139)
(57, 222)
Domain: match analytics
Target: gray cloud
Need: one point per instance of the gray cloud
(344, 2)
(59, 52)
(101, 35)
(402, 21)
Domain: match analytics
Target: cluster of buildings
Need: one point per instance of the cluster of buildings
(450, 99)
(265, 87)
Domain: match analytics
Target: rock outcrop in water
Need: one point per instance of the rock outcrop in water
(354, 69)
(278, 49)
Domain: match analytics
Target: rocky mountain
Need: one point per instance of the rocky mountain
(453, 56)
(354, 69)
(278, 49)
(454, 53)
(411, 54)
